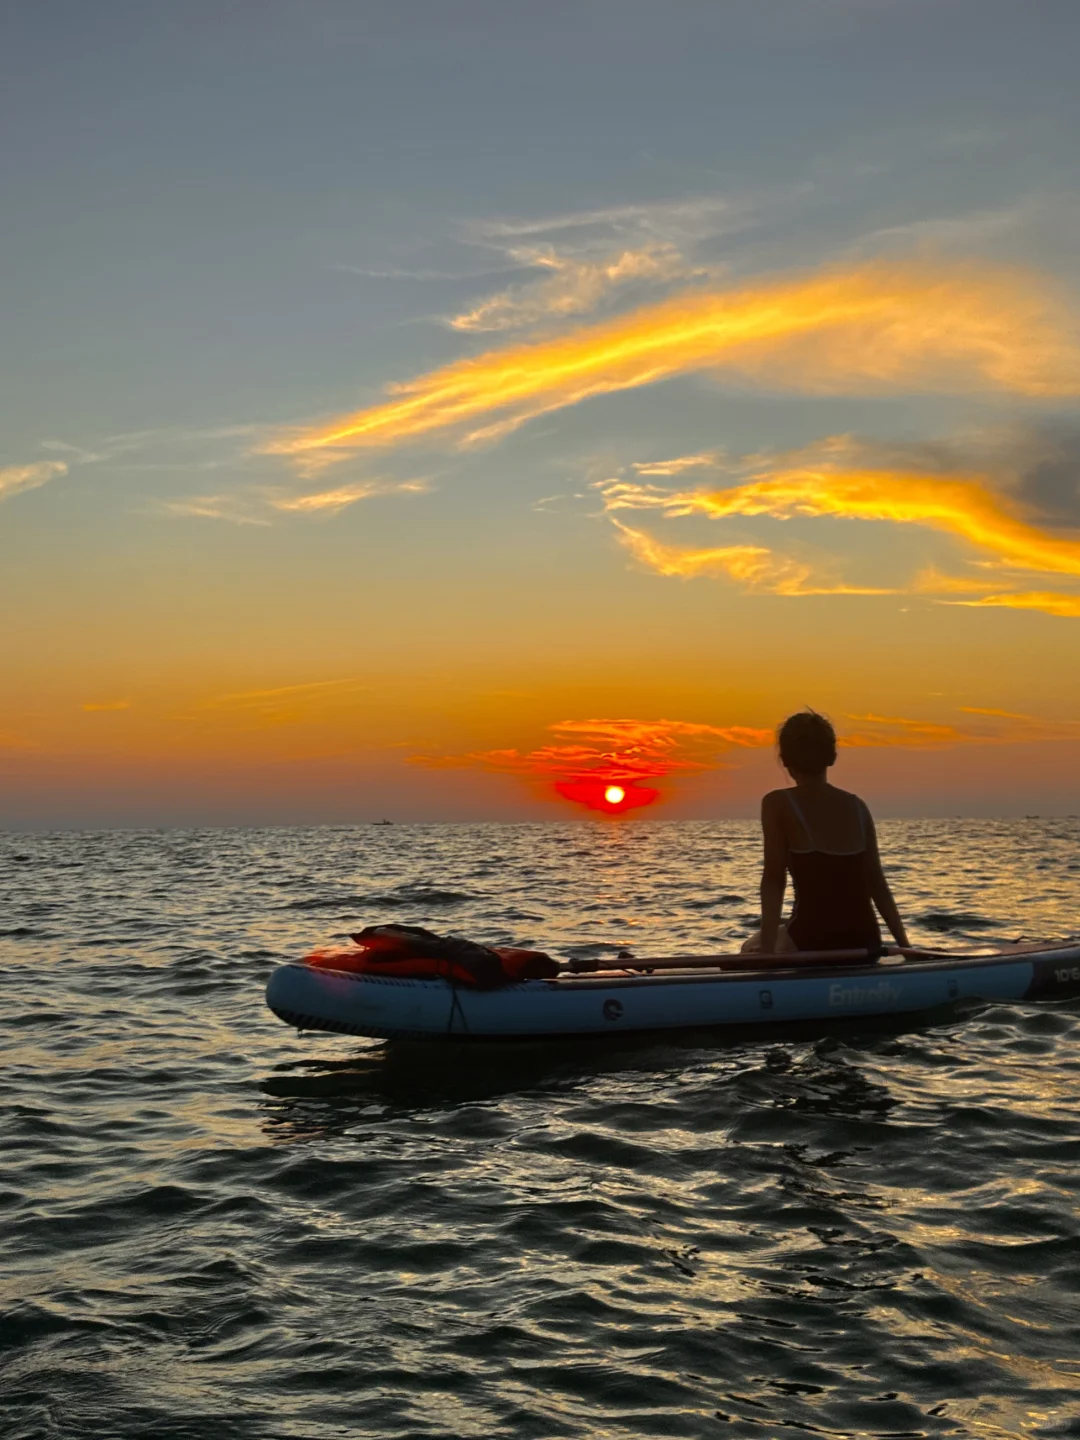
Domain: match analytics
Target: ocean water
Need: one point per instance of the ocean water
(211, 1227)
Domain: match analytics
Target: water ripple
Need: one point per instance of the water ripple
(214, 1227)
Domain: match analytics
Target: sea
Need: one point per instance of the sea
(215, 1229)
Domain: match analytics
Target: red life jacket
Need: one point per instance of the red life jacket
(412, 953)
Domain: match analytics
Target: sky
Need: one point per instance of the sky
(453, 411)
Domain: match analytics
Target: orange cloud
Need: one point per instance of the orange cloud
(587, 757)
(285, 704)
(1050, 602)
(100, 706)
(757, 567)
(659, 734)
(965, 508)
(942, 587)
(898, 732)
(828, 482)
(874, 328)
(997, 714)
(891, 731)
(598, 754)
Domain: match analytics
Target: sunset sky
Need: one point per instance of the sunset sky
(441, 410)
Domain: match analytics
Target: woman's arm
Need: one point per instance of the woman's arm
(880, 893)
(773, 872)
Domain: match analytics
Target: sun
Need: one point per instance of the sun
(596, 793)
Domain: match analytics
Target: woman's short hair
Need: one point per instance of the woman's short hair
(807, 743)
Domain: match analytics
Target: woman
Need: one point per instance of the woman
(825, 837)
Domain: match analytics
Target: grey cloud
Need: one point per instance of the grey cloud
(1036, 465)
(1049, 478)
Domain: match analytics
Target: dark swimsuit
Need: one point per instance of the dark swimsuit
(833, 909)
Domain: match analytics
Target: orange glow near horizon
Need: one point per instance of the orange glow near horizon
(609, 764)
(290, 745)
(632, 764)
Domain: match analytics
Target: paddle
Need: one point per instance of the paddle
(796, 959)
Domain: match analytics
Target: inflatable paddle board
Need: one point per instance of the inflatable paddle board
(629, 1001)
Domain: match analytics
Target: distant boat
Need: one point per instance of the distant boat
(382, 822)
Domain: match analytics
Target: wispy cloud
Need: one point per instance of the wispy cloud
(837, 479)
(967, 509)
(584, 757)
(573, 286)
(1049, 602)
(258, 504)
(679, 221)
(755, 566)
(179, 435)
(422, 276)
(992, 727)
(313, 700)
(659, 736)
(895, 732)
(611, 749)
(652, 468)
(147, 450)
(76, 454)
(248, 699)
(997, 714)
(95, 707)
(237, 509)
(331, 501)
(963, 233)
(16, 479)
(872, 329)
(587, 756)
(242, 500)
(588, 255)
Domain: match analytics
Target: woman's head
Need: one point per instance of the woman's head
(807, 743)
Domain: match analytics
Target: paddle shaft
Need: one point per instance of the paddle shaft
(585, 966)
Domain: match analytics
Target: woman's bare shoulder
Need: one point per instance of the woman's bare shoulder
(773, 799)
(850, 795)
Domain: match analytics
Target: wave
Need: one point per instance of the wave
(956, 921)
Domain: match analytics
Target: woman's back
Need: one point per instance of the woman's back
(825, 839)
(823, 818)
(826, 830)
